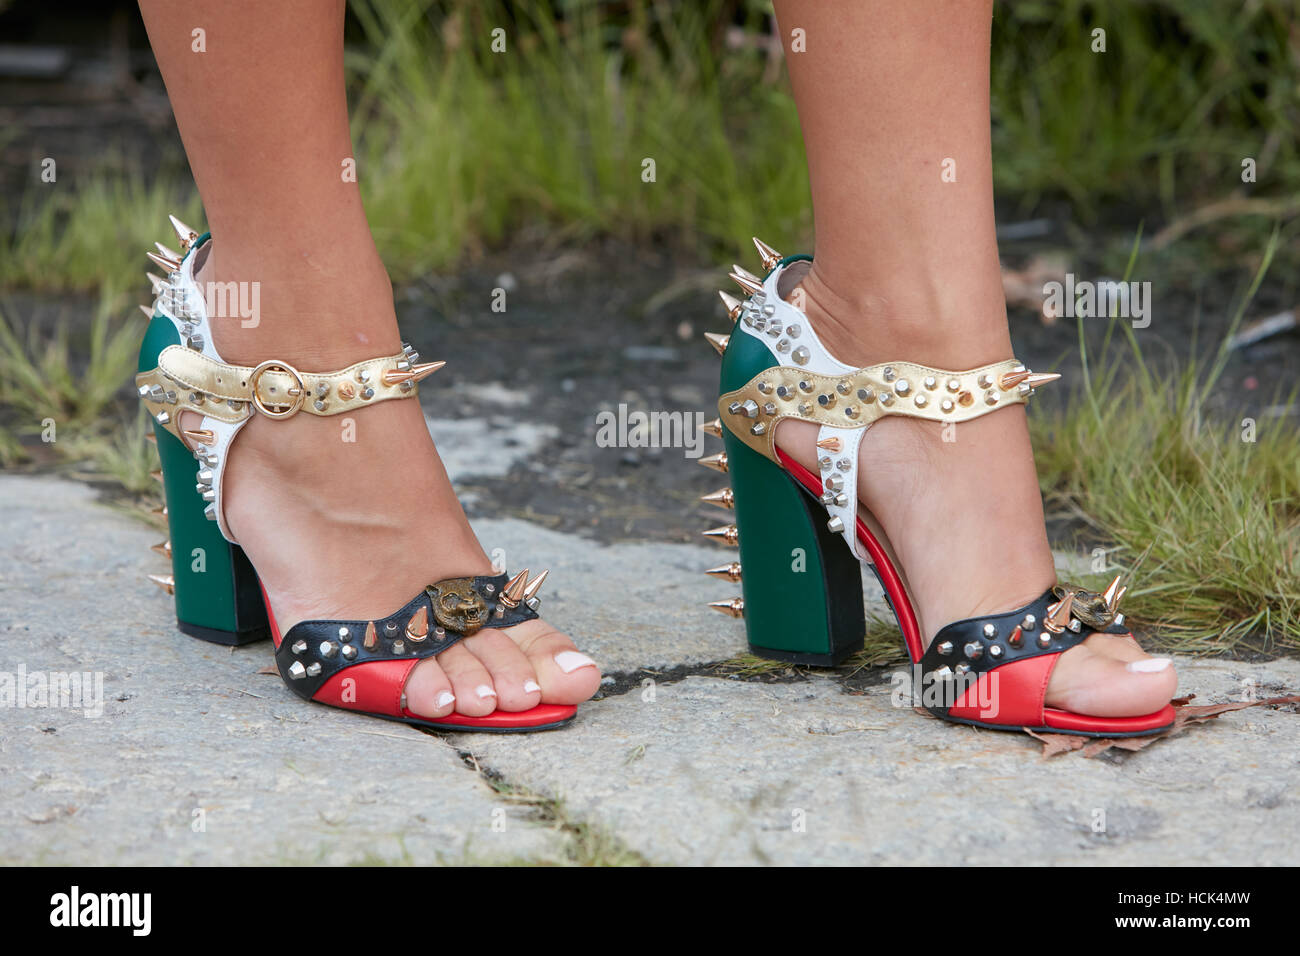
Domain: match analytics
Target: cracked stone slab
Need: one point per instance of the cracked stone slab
(196, 757)
(715, 771)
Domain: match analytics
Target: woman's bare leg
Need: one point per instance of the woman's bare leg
(334, 528)
(891, 95)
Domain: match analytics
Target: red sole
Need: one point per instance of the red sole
(541, 717)
(1057, 721)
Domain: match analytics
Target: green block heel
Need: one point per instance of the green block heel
(802, 585)
(217, 594)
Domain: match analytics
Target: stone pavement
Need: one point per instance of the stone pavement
(199, 758)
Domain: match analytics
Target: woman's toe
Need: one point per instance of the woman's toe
(470, 681)
(513, 677)
(1086, 681)
(428, 690)
(566, 675)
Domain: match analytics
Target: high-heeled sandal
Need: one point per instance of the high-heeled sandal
(357, 664)
(802, 535)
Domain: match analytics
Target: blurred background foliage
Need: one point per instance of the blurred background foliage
(460, 147)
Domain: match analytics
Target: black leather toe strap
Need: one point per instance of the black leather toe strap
(437, 618)
(963, 650)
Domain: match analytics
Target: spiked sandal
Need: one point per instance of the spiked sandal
(803, 536)
(359, 665)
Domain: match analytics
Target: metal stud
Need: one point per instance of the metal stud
(806, 409)
(826, 400)
(297, 671)
(888, 373)
(990, 631)
(902, 387)
(164, 581)
(995, 651)
(974, 650)
(399, 647)
(945, 648)
(328, 649)
(851, 411)
(962, 669)
(921, 400)
(758, 429)
(1029, 623)
(943, 674)
(886, 398)
(350, 651)
(733, 608)
(724, 534)
(930, 382)
(985, 380)
(299, 646)
(729, 571)
(314, 669)
(953, 385)
(371, 638)
(1015, 637)
(835, 525)
(867, 394)
(990, 397)
(717, 462)
(417, 628)
(801, 355)
(1044, 639)
(345, 635)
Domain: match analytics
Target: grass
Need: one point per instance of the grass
(1209, 501)
(460, 148)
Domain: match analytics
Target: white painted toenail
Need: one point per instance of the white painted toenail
(483, 690)
(531, 687)
(1151, 665)
(570, 661)
(446, 699)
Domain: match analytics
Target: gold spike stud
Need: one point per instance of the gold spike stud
(148, 312)
(718, 341)
(1113, 593)
(372, 638)
(184, 233)
(746, 280)
(200, 436)
(830, 444)
(162, 547)
(416, 373)
(717, 462)
(1016, 637)
(1039, 379)
(157, 283)
(733, 608)
(713, 428)
(729, 571)
(171, 265)
(734, 305)
(417, 628)
(1058, 614)
(164, 581)
(766, 253)
(168, 253)
(723, 498)
(513, 592)
(725, 534)
(1010, 380)
(535, 585)
(156, 476)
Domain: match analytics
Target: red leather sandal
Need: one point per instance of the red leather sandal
(990, 671)
(355, 664)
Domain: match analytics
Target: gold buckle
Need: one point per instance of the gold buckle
(297, 394)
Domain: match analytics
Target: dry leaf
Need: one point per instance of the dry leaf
(269, 669)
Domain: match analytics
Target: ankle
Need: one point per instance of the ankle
(909, 318)
(316, 312)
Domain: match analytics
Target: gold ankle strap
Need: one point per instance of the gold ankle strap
(187, 380)
(857, 399)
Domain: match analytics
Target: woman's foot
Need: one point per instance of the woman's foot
(349, 516)
(962, 509)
